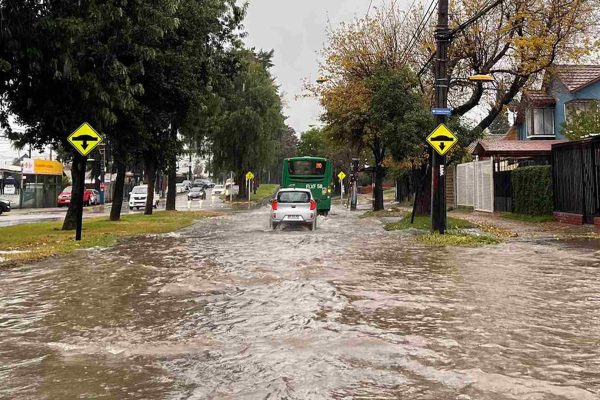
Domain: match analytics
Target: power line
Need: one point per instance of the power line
(460, 28)
(420, 27)
(369, 9)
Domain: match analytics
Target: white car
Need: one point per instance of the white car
(294, 206)
(138, 195)
(218, 190)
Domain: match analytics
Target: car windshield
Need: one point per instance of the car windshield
(293, 197)
(196, 189)
(140, 189)
(219, 187)
(67, 189)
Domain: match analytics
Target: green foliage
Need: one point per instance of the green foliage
(457, 239)
(583, 123)
(536, 219)
(247, 118)
(314, 143)
(532, 190)
(424, 222)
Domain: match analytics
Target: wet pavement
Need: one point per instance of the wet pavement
(228, 309)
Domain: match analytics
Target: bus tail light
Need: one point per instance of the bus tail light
(274, 205)
(313, 205)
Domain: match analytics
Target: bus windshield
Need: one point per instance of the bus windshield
(306, 167)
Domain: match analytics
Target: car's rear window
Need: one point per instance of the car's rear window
(293, 197)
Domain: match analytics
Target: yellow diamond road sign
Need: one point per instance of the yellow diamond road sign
(442, 140)
(341, 175)
(249, 175)
(85, 139)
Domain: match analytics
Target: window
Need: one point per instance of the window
(540, 122)
(579, 106)
(307, 167)
(293, 197)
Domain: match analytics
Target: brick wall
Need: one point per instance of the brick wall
(568, 218)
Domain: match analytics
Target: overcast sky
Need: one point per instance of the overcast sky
(296, 30)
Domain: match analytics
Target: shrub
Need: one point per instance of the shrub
(532, 190)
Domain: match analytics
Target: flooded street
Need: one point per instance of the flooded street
(229, 309)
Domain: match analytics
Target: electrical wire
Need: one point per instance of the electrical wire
(420, 28)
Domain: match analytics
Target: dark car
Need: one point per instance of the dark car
(197, 192)
(4, 206)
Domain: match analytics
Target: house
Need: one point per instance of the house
(566, 90)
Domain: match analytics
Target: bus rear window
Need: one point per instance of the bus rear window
(307, 167)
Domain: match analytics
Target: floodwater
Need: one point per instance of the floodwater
(228, 309)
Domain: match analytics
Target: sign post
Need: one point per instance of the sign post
(441, 140)
(341, 177)
(249, 178)
(84, 139)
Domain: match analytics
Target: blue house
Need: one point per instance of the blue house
(566, 90)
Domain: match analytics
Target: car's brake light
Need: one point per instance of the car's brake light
(274, 205)
(313, 204)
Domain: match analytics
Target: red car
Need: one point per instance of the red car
(64, 198)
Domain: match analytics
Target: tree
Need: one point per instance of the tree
(583, 123)
(369, 97)
(248, 118)
(314, 143)
(64, 63)
(515, 41)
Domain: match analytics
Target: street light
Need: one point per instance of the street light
(481, 78)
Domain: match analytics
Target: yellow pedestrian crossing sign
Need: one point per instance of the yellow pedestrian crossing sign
(249, 176)
(442, 139)
(85, 139)
(341, 175)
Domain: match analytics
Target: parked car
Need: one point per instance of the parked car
(138, 196)
(235, 189)
(180, 188)
(94, 197)
(197, 193)
(294, 206)
(187, 184)
(4, 206)
(90, 196)
(218, 190)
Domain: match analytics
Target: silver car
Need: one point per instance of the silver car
(295, 206)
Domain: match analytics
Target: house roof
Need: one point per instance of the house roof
(539, 98)
(576, 77)
(514, 148)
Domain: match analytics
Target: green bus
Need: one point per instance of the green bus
(312, 173)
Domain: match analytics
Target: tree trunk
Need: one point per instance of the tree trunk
(171, 184)
(378, 188)
(150, 168)
(117, 202)
(423, 195)
(241, 179)
(78, 175)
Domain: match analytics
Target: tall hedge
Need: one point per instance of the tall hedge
(532, 190)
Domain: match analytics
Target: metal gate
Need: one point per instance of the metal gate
(475, 185)
(484, 185)
(465, 178)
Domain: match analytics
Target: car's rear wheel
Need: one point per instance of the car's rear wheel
(130, 208)
(313, 226)
(1, 211)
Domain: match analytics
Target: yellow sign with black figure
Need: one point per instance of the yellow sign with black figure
(249, 176)
(341, 175)
(442, 139)
(85, 139)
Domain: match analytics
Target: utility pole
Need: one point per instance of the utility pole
(438, 163)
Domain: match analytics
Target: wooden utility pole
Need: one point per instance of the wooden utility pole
(438, 163)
